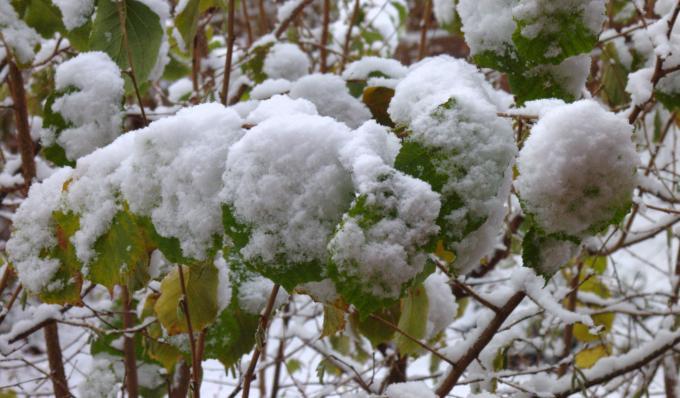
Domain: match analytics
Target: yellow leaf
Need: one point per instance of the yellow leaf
(588, 357)
(444, 254)
(605, 320)
(334, 319)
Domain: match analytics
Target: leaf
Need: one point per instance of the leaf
(44, 17)
(596, 263)
(373, 329)
(54, 121)
(413, 320)
(567, 36)
(123, 254)
(334, 318)
(444, 254)
(232, 335)
(614, 77)
(201, 287)
(187, 23)
(588, 357)
(66, 283)
(143, 30)
(605, 320)
(377, 99)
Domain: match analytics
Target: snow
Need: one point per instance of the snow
(487, 24)
(450, 109)
(254, 293)
(444, 11)
(283, 178)
(223, 284)
(332, 98)
(413, 389)
(180, 90)
(34, 232)
(269, 88)
(640, 86)
(279, 105)
(286, 61)
(382, 246)
(16, 34)
(442, 307)
(75, 13)
(558, 193)
(285, 10)
(94, 109)
(362, 68)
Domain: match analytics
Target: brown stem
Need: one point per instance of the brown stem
(324, 36)
(11, 301)
(55, 360)
(18, 93)
(180, 388)
(569, 329)
(6, 278)
(348, 35)
(262, 22)
(131, 384)
(133, 76)
(452, 377)
(279, 353)
(284, 24)
(195, 360)
(261, 330)
(246, 21)
(230, 52)
(425, 24)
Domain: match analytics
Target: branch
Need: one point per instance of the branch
(452, 378)
(55, 360)
(425, 24)
(324, 36)
(195, 361)
(348, 35)
(16, 88)
(130, 359)
(281, 29)
(231, 38)
(123, 26)
(261, 330)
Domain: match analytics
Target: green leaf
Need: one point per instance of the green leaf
(80, 37)
(66, 283)
(187, 23)
(253, 67)
(373, 329)
(413, 320)
(44, 17)
(614, 77)
(567, 36)
(54, 121)
(232, 335)
(201, 287)
(123, 254)
(143, 30)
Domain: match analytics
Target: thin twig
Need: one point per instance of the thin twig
(195, 361)
(133, 76)
(262, 330)
(324, 36)
(231, 38)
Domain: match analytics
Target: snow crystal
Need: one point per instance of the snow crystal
(563, 197)
(332, 98)
(18, 36)
(75, 13)
(94, 109)
(34, 232)
(413, 389)
(223, 284)
(286, 61)
(101, 380)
